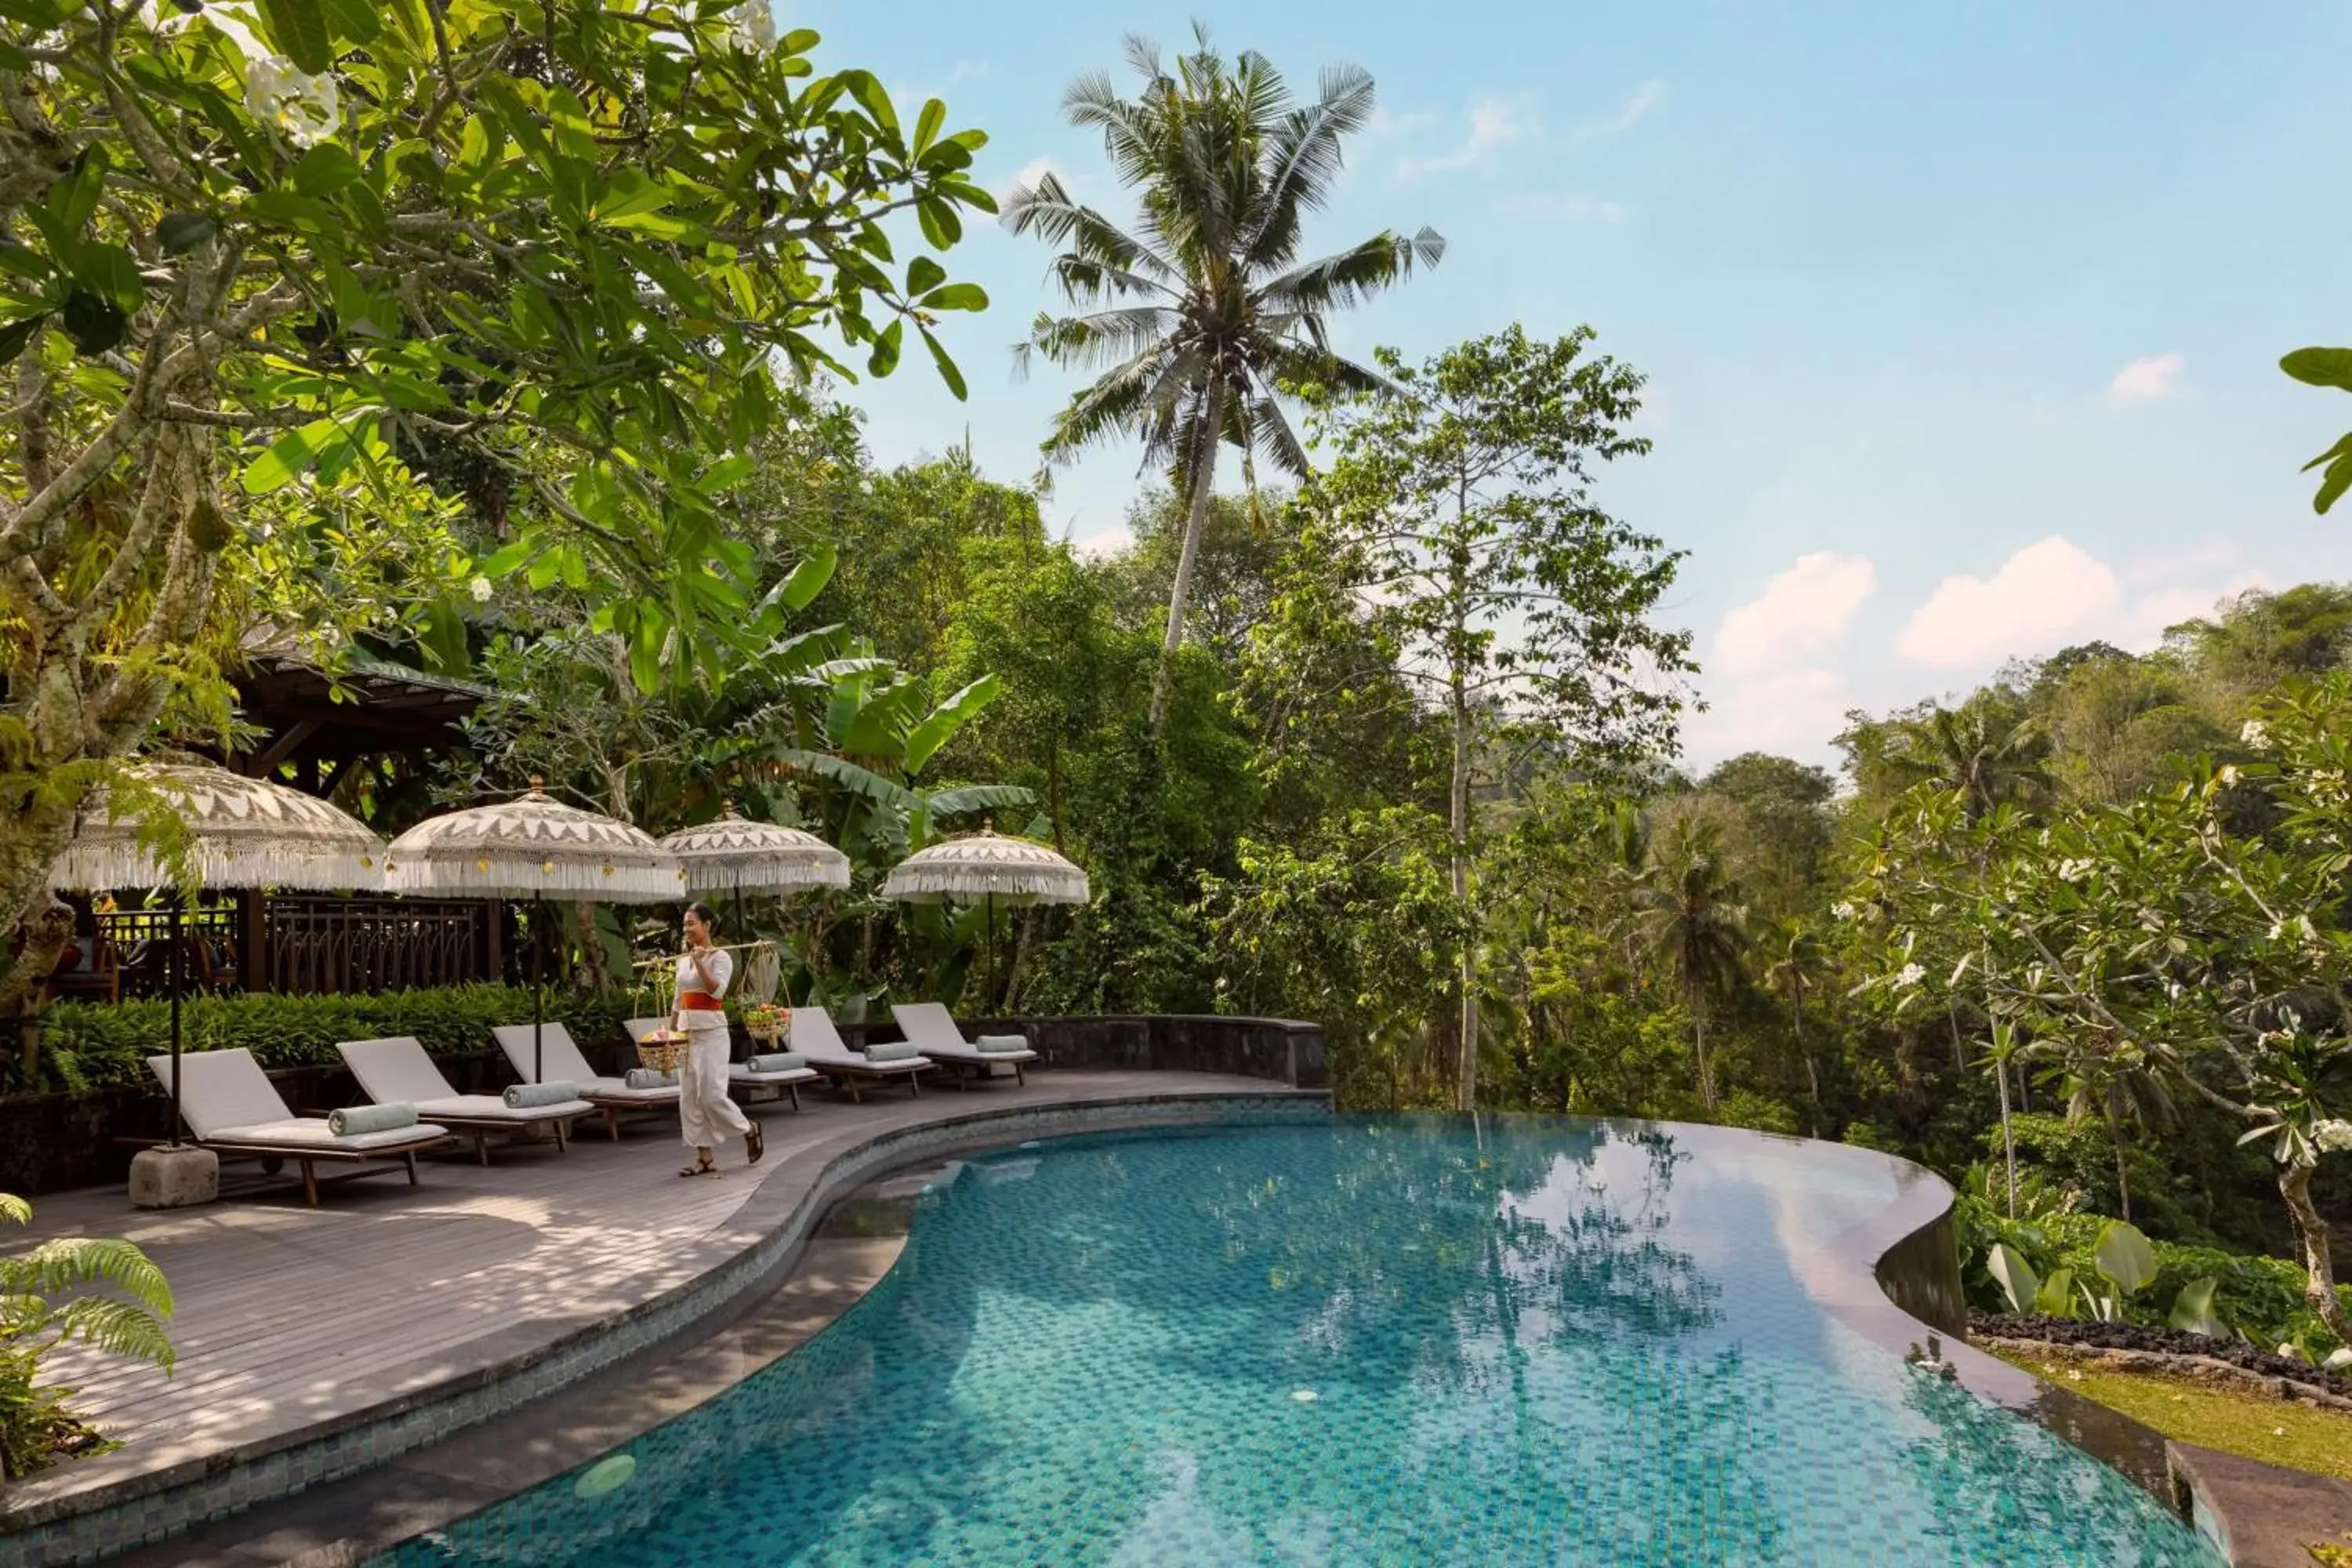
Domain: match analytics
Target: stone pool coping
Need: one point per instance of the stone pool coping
(59, 1518)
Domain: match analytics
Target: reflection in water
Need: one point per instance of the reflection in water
(1529, 1341)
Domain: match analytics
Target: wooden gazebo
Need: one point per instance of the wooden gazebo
(310, 727)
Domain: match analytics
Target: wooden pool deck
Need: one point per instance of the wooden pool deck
(290, 1319)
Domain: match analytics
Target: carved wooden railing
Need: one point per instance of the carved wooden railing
(319, 944)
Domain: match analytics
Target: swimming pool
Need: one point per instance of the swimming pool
(1407, 1341)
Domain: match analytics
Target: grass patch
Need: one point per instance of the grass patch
(2235, 1421)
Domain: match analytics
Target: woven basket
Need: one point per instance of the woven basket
(660, 1053)
(776, 1034)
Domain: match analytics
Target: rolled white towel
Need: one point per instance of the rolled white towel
(354, 1120)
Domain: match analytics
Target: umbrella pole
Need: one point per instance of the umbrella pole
(172, 984)
(988, 983)
(537, 990)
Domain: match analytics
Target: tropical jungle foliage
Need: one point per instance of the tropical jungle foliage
(507, 339)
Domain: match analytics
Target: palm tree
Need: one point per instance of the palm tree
(1697, 931)
(1198, 313)
(1796, 967)
(1979, 758)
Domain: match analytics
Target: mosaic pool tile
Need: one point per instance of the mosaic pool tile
(1352, 1342)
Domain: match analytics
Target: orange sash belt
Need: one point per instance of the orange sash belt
(699, 1002)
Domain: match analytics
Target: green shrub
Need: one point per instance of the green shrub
(98, 1045)
(2261, 1298)
(1744, 1108)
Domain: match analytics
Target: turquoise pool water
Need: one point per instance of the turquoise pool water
(1367, 1341)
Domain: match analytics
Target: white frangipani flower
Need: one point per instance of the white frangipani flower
(304, 108)
(2255, 734)
(1843, 909)
(752, 25)
(480, 588)
(1909, 974)
(2333, 1137)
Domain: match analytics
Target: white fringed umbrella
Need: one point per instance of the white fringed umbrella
(529, 849)
(986, 867)
(756, 857)
(240, 833)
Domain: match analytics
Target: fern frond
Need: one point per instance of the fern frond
(118, 1328)
(69, 1261)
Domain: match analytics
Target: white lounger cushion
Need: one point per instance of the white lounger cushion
(741, 1073)
(814, 1038)
(298, 1131)
(566, 1065)
(226, 1098)
(223, 1088)
(396, 1071)
(931, 1029)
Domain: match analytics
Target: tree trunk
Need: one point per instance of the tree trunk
(2123, 1181)
(2319, 1268)
(1203, 484)
(1698, 1041)
(1813, 1073)
(1054, 792)
(2007, 1134)
(1458, 846)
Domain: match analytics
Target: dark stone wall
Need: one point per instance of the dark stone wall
(49, 1142)
(1921, 1274)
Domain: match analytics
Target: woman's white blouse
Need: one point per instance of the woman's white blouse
(721, 965)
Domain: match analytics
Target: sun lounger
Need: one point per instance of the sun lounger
(814, 1038)
(397, 1071)
(930, 1028)
(740, 1078)
(231, 1106)
(566, 1065)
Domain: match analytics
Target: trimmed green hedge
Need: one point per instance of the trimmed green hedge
(95, 1045)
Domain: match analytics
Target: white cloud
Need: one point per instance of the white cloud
(2146, 380)
(1103, 544)
(1034, 170)
(1794, 712)
(1800, 612)
(965, 71)
(1567, 209)
(1383, 123)
(1635, 108)
(1493, 124)
(2044, 596)
(1645, 97)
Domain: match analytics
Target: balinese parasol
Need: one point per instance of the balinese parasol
(527, 848)
(756, 858)
(240, 833)
(992, 869)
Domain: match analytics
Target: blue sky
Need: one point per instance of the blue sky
(1961, 322)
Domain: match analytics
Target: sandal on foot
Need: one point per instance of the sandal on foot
(755, 1143)
(700, 1168)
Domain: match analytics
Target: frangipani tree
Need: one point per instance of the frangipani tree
(2162, 946)
(543, 255)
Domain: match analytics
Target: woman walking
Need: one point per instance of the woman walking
(705, 1114)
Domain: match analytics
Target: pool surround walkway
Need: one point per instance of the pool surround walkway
(317, 1343)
